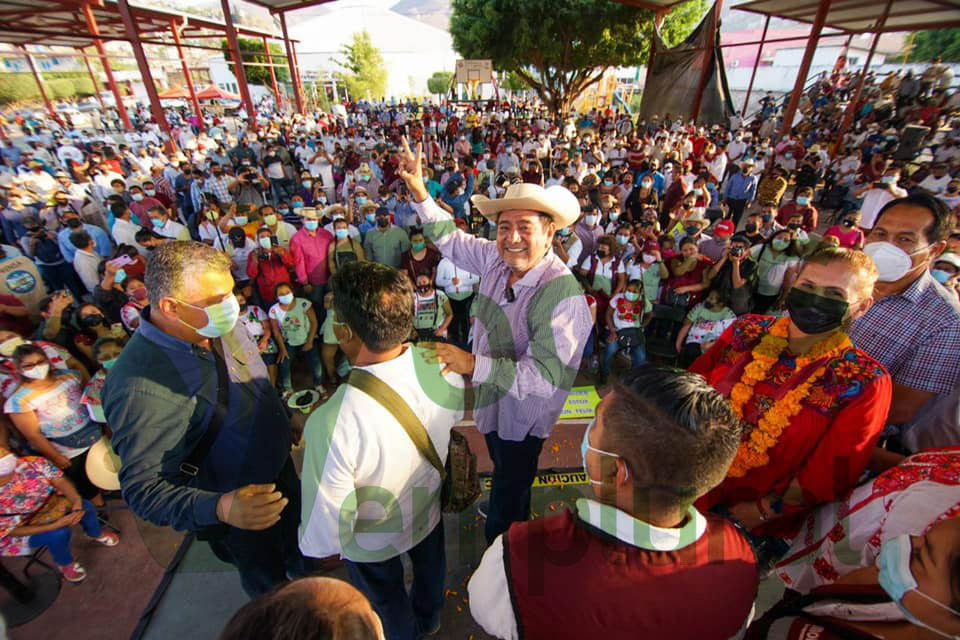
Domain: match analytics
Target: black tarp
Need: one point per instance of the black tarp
(674, 77)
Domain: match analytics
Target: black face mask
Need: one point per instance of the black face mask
(74, 223)
(849, 223)
(91, 321)
(751, 228)
(793, 225)
(767, 218)
(814, 313)
(383, 222)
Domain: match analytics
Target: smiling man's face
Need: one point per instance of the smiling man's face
(523, 238)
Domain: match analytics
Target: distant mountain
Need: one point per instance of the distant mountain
(436, 13)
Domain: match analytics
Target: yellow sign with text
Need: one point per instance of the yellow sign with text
(550, 480)
(581, 403)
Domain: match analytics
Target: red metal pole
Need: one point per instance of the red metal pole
(296, 64)
(852, 105)
(36, 76)
(237, 59)
(812, 42)
(291, 63)
(145, 74)
(707, 60)
(96, 82)
(756, 63)
(94, 30)
(186, 71)
(273, 76)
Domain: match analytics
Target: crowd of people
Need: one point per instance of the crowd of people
(806, 286)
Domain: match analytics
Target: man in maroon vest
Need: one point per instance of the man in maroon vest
(636, 560)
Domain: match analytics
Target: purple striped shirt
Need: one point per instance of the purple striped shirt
(527, 351)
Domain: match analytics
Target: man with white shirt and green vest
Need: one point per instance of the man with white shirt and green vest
(369, 495)
(635, 559)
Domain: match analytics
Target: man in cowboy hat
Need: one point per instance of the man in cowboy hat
(532, 325)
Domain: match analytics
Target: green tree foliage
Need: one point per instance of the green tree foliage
(439, 82)
(927, 45)
(21, 87)
(514, 83)
(365, 76)
(251, 50)
(561, 47)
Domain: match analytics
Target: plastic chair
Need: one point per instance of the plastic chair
(36, 558)
(662, 337)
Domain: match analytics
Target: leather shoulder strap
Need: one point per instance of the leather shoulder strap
(191, 465)
(399, 409)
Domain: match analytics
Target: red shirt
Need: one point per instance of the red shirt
(827, 444)
(269, 273)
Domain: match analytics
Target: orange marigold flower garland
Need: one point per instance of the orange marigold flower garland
(753, 449)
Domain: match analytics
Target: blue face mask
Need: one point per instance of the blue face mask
(361, 200)
(585, 446)
(311, 225)
(286, 298)
(940, 276)
(371, 218)
(240, 220)
(897, 579)
(283, 212)
(297, 205)
(108, 364)
(803, 201)
(158, 223)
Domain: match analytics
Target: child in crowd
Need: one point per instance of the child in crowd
(705, 323)
(295, 321)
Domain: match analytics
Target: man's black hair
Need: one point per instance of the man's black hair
(80, 239)
(943, 219)
(676, 433)
(375, 301)
(118, 208)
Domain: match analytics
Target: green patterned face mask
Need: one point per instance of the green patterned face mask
(221, 317)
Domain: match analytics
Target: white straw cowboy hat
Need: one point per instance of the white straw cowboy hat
(556, 201)
(103, 465)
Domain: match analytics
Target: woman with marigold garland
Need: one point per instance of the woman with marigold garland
(812, 404)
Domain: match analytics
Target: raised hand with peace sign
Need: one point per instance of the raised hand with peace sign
(410, 169)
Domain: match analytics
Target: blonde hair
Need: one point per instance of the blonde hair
(856, 261)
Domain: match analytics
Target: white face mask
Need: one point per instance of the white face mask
(7, 464)
(590, 220)
(892, 262)
(37, 372)
(585, 446)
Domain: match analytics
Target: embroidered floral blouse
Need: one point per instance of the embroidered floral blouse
(826, 446)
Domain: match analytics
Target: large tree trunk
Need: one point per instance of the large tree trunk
(558, 90)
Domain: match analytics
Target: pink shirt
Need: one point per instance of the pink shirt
(310, 255)
(848, 239)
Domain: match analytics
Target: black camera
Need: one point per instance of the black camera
(736, 252)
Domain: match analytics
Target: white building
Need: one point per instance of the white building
(411, 50)
(223, 78)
